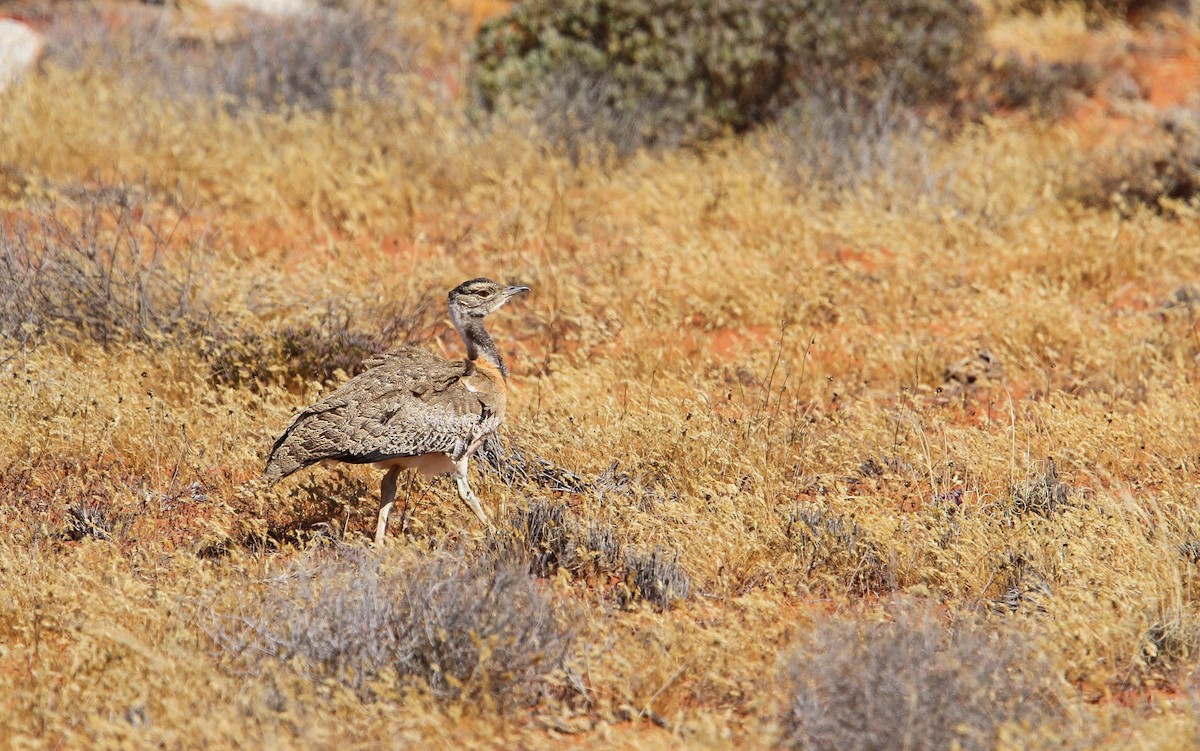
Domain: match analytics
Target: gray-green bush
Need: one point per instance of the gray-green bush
(269, 63)
(661, 72)
(915, 684)
(465, 630)
(101, 271)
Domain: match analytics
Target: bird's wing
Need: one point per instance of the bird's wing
(409, 402)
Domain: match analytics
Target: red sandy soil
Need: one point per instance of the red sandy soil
(1164, 63)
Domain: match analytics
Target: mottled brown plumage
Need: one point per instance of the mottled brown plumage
(410, 409)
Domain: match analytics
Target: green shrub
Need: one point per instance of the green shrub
(658, 72)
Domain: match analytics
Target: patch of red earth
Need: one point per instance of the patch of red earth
(269, 235)
(983, 405)
(297, 238)
(1166, 67)
(1144, 697)
(1171, 81)
(720, 345)
(863, 260)
(726, 342)
(1096, 121)
(480, 12)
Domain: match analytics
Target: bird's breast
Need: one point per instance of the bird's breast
(488, 382)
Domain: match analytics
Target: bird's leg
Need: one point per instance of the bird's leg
(407, 494)
(387, 496)
(464, 492)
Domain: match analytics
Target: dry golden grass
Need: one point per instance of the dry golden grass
(780, 387)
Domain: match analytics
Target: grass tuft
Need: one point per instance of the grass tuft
(87, 519)
(830, 548)
(1042, 492)
(655, 577)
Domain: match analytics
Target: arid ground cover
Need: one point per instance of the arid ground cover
(869, 422)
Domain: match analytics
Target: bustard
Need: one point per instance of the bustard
(410, 409)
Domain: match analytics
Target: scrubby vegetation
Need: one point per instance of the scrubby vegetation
(867, 420)
(261, 62)
(467, 631)
(654, 72)
(916, 683)
(1158, 171)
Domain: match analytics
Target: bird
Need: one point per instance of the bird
(411, 409)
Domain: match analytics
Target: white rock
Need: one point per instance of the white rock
(20, 49)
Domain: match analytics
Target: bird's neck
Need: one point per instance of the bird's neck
(479, 342)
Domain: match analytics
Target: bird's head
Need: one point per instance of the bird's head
(479, 297)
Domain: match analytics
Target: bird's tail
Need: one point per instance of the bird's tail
(273, 473)
(281, 463)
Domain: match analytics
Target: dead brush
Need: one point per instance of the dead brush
(268, 63)
(540, 539)
(104, 273)
(1048, 89)
(331, 349)
(1190, 549)
(1170, 644)
(574, 113)
(308, 510)
(914, 683)
(1159, 170)
(1023, 586)
(482, 634)
(326, 352)
(848, 143)
(1184, 301)
(87, 519)
(830, 548)
(543, 539)
(517, 468)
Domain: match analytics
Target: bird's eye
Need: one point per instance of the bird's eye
(485, 293)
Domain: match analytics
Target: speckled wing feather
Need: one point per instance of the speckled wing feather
(407, 403)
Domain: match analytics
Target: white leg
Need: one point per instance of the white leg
(404, 508)
(387, 497)
(464, 492)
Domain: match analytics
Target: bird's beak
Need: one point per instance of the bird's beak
(515, 291)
